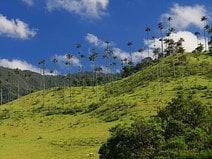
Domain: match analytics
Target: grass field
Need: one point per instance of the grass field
(71, 128)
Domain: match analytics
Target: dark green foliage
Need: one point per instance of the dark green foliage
(48, 111)
(92, 107)
(5, 114)
(180, 130)
(141, 140)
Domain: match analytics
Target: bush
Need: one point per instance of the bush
(141, 140)
(177, 131)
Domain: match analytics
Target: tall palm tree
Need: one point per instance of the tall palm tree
(210, 38)
(79, 46)
(106, 58)
(82, 56)
(141, 50)
(114, 64)
(169, 21)
(97, 69)
(160, 26)
(17, 72)
(197, 35)
(92, 58)
(129, 44)
(68, 63)
(204, 20)
(42, 66)
(80, 81)
(111, 54)
(29, 89)
(1, 93)
(148, 30)
(55, 61)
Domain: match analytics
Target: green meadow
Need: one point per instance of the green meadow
(73, 122)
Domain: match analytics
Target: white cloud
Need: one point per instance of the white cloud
(186, 16)
(15, 28)
(85, 8)
(105, 69)
(29, 2)
(93, 39)
(15, 63)
(121, 54)
(62, 59)
(22, 65)
(189, 44)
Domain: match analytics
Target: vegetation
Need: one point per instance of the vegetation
(16, 83)
(60, 129)
(180, 130)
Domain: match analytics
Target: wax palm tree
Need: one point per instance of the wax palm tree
(92, 58)
(55, 61)
(97, 69)
(107, 62)
(111, 54)
(82, 56)
(141, 50)
(68, 63)
(17, 72)
(27, 76)
(114, 64)
(1, 92)
(197, 35)
(42, 66)
(169, 21)
(129, 44)
(105, 57)
(210, 38)
(9, 80)
(79, 46)
(147, 31)
(160, 26)
(204, 20)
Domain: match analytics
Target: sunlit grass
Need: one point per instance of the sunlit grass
(74, 125)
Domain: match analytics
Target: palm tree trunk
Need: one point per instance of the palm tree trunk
(97, 97)
(1, 95)
(44, 86)
(18, 90)
(205, 41)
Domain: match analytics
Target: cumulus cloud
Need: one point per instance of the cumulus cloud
(29, 2)
(22, 65)
(15, 28)
(121, 54)
(62, 59)
(105, 69)
(85, 8)
(189, 44)
(186, 16)
(94, 40)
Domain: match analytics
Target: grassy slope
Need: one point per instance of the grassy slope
(28, 130)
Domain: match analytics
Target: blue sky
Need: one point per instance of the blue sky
(31, 30)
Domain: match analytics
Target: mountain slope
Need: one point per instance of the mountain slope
(76, 127)
(13, 80)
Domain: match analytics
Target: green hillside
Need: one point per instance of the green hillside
(74, 122)
(15, 82)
